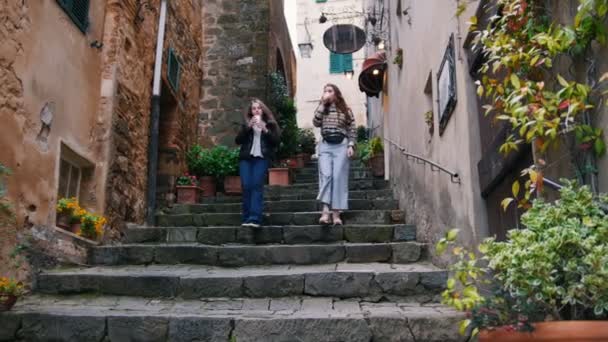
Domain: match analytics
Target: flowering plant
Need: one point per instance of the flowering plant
(71, 208)
(91, 226)
(10, 287)
(187, 180)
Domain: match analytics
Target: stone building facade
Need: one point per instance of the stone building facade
(243, 41)
(77, 107)
(468, 143)
(314, 71)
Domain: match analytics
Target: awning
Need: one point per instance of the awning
(372, 74)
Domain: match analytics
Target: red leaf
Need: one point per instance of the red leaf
(565, 104)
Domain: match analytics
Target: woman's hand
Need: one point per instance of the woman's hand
(327, 99)
(350, 152)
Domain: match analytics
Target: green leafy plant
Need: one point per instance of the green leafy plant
(362, 134)
(398, 60)
(285, 109)
(588, 137)
(5, 207)
(193, 156)
(187, 180)
(554, 268)
(307, 141)
(203, 162)
(363, 151)
(92, 226)
(376, 147)
(228, 160)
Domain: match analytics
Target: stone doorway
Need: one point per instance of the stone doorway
(168, 150)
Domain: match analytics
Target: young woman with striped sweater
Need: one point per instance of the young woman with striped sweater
(338, 132)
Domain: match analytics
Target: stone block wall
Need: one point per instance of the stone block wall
(238, 51)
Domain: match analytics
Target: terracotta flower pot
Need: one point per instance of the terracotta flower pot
(377, 164)
(232, 185)
(291, 162)
(7, 302)
(278, 176)
(187, 194)
(75, 228)
(63, 221)
(558, 331)
(302, 159)
(208, 185)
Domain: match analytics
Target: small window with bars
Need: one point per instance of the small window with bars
(339, 63)
(78, 11)
(173, 69)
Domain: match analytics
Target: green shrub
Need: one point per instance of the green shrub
(362, 134)
(554, 268)
(376, 146)
(307, 141)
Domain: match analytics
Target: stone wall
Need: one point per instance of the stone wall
(236, 57)
(88, 93)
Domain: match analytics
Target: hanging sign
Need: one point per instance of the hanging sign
(344, 38)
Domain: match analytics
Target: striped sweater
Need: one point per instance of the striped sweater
(335, 123)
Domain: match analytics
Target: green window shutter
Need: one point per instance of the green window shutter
(173, 69)
(335, 63)
(321, 0)
(347, 62)
(78, 11)
(339, 63)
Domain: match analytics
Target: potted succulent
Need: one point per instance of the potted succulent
(307, 145)
(279, 175)
(187, 189)
(92, 226)
(10, 291)
(547, 282)
(376, 152)
(204, 164)
(428, 119)
(230, 171)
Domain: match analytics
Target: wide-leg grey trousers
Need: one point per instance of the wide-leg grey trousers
(333, 175)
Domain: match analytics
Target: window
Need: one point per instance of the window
(173, 69)
(69, 179)
(321, 1)
(78, 11)
(446, 86)
(76, 175)
(339, 63)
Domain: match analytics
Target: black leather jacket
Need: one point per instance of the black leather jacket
(269, 141)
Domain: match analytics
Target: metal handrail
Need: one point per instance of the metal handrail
(556, 186)
(454, 177)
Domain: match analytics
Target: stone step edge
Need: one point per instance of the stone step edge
(249, 255)
(272, 234)
(319, 320)
(188, 283)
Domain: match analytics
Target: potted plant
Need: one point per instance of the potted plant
(279, 175)
(363, 152)
(187, 189)
(230, 170)
(204, 164)
(398, 60)
(69, 214)
(376, 151)
(428, 119)
(547, 282)
(10, 291)
(92, 226)
(307, 145)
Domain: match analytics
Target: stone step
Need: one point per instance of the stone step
(249, 255)
(271, 234)
(284, 206)
(372, 280)
(298, 179)
(309, 195)
(313, 171)
(280, 219)
(366, 184)
(111, 318)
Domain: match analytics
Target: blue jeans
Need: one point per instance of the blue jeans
(253, 175)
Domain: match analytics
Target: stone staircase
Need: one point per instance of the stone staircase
(200, 276)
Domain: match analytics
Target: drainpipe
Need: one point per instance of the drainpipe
(155, 117)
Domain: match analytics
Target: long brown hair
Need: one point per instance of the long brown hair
(267, 115)
(340, 102)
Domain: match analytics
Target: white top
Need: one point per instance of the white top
(256, 147)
